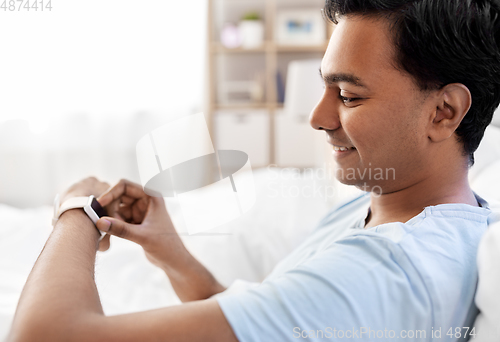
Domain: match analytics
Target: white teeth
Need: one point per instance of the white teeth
(343, 149)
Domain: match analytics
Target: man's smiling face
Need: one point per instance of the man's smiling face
(372, 108)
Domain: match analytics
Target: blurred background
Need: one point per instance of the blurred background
(82, 82)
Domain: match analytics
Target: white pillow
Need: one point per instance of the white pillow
(487, 298)
(487, 183)
(496, 118)
(487, 153)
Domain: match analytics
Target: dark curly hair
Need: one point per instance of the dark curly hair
(440, 42)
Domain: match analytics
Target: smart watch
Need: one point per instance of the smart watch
(89, 204)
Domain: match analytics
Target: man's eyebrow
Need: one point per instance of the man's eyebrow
(336, 78)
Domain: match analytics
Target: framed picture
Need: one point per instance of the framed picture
(300, 27)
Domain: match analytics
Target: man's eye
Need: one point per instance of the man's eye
(348, 100)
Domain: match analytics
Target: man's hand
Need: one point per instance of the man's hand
(145, 221)
(91, 186)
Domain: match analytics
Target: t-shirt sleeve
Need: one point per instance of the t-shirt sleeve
(360, 287)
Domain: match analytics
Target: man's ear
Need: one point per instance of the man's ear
(453, 103)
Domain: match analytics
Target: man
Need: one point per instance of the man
(410, 86)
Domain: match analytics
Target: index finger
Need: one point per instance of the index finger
(122, 188)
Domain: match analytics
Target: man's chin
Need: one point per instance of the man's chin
(345, 181)
(362, 185)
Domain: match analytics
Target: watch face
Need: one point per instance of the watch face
(100, 211)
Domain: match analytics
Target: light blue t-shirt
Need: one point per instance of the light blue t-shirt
(410, 281)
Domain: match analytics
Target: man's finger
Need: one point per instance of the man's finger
(125, 211)
(123, 187)
(118, 228)
(104, 243)
(137, 214)
(127, 200)
(143, 204)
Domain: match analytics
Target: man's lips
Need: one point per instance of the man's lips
(341, 152)
(343, 148)
(340, 146)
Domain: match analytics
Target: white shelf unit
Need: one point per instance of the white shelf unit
(240, 65)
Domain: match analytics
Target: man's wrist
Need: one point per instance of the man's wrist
(77, 217)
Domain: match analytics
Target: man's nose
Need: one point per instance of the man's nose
(325, 115)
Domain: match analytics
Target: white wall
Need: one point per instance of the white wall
(81, 84)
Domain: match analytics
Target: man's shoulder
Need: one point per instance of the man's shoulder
(434, 222)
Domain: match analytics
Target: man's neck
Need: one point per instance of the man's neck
(401, 206)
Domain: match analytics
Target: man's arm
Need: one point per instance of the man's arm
(60, 287)
(60, 301)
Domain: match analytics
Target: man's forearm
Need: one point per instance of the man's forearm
(61, 286)
(191, 280)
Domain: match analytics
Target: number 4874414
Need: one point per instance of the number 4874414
(26, 5)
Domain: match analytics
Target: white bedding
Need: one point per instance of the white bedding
(22, 236)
